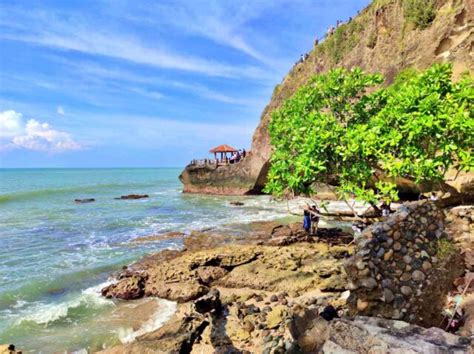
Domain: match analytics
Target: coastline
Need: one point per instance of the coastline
(253, 287)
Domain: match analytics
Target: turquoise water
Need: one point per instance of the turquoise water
(55, 255)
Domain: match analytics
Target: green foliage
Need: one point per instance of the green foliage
(345, 37)
(333, 129)
(446, 249)
(372, 40)
(419, 12)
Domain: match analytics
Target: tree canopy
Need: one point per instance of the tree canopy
(344, 128)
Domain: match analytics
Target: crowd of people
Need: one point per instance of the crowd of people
(238, 156)
(330, 31)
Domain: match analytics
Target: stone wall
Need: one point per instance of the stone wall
(404, 266)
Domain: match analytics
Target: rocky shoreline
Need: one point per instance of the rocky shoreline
(275, 290)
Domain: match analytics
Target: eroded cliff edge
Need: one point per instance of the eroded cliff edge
(379, 39)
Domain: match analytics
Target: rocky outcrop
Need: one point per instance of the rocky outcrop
(381, 40)
(296, 268)
(178, 335)
(404, 266)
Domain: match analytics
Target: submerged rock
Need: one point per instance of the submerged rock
(84, 201)
(133, 196)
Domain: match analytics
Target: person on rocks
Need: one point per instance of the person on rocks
(314, 220)
(307, 219)
(385, 209)
(433, 196)
(244, 153)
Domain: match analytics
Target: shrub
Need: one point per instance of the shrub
(419, 12)
(333, 130)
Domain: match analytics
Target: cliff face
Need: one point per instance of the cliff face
(380, 39)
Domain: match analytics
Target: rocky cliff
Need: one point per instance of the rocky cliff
(382, 38)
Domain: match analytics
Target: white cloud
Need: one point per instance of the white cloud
(10, 124)
(60, 110)
(32, 135)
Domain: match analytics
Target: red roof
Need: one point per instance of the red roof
(223, 148)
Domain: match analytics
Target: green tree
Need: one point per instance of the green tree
(333, 131)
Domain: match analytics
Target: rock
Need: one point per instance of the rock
(388, 336)
(426, 266)
(418, 276)
(406, 290)
(380, 252)
(369, 283)
(388, 256)
(178, 335)
(9, 349)
(133, 196)
(236, 203)
(397, 246)
(249, 326)
(407, 259)
(208, 303)
(424, 254)
(208, 274)
(275, 316)
(309, 331)
(273, 298)
(84, 201)
(362, 305)
(388, 295)
(128, 288)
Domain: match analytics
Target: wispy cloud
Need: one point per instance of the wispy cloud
(51, 30)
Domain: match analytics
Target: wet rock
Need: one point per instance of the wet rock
(84, 201)
(236, 203)
(128, 288)
(133, 196)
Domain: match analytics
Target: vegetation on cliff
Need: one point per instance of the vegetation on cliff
(333, 127)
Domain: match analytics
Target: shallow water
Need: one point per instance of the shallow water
(55, 255)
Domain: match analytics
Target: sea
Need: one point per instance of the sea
(56, 255)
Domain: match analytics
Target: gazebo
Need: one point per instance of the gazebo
(223, 150)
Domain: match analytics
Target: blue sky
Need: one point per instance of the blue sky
(110, 83)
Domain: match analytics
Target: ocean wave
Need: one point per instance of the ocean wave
(166, 309)
(44, 314)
